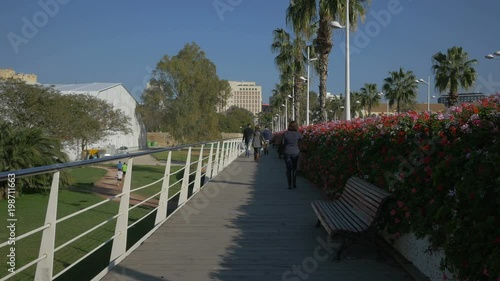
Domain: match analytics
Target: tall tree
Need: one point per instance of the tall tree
(314, 16)
(191, 91)
(290, 61)
(370, 96)
(400, 88)
(453, 70)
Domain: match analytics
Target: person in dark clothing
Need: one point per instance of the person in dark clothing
(267, 137)
(247, 137)
(291, 152)
(257, 143)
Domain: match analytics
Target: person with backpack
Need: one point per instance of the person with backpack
(290, 142)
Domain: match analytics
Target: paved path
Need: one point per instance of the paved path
(246, 225)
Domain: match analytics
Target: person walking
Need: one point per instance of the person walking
(247, 137)
(291, 151)
(267, 137)
(257, 143)
(119, 166)
(124, 168)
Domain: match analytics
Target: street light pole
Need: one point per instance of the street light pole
(428, 83)
(347, 67)
(293, 97)
(335, 24)
(309, 60)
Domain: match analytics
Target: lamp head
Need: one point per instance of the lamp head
(303, 78)
(336, 25)
(489, 56)
(497, 53)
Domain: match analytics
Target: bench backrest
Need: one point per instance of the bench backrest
(365, 198)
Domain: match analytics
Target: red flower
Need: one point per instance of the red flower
(407, 214)
(439, 187)
(393, 212)
(396, 220)
(400, 204)
(497, 240)
(413, 190)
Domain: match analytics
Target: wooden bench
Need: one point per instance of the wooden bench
(354, 213)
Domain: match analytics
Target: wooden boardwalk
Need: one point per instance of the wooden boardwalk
(246, 225)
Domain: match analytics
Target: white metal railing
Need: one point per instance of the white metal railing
(220, 155)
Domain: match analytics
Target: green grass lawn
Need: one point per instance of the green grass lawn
(31, 209)
(181, 155)
(144, 174)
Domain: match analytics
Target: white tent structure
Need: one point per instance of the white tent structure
(120, 98)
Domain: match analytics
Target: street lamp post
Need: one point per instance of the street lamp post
(309, 60)
(381, 94)
(335, 24)
(293, 97)
(428, 83)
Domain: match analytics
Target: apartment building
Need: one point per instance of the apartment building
(247, 95)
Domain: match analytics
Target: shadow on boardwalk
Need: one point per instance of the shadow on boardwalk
(246, 225)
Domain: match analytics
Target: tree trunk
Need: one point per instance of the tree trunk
(323, 48)
(296, 105)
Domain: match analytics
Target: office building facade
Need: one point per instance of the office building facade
(247, 95)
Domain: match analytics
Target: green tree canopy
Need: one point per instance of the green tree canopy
(22, 148)
(400, 88)
(184, 94)
(71, 119)
(235, 119)
(453, 70)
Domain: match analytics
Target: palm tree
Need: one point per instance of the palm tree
(27, 148)
(370, 96)
(453, 70)
(290, 62)
(314, 16)
(356, 104)
(400, 88)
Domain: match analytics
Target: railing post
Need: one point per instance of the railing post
(45, 268)
(233, 152)
(222, 152)
(208, 172)
(161, 213)
(197, 179)
(120, 240)
(215, 171)
(185, 180)
(226, 154)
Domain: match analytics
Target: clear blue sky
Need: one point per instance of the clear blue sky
(121, 41)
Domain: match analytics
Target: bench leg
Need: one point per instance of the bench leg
(318, 224)
(340, 250)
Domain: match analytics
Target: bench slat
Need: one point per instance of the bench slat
(364, 213)
(353, 197)
(338, 214)
(355, 211)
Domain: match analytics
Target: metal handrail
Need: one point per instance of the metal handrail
(58, 167)
(220, 159)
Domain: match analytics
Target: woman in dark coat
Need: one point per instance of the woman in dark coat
(291, 152)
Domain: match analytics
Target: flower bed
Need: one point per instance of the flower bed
(443, 168)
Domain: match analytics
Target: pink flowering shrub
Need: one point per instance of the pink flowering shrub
(443, 168)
